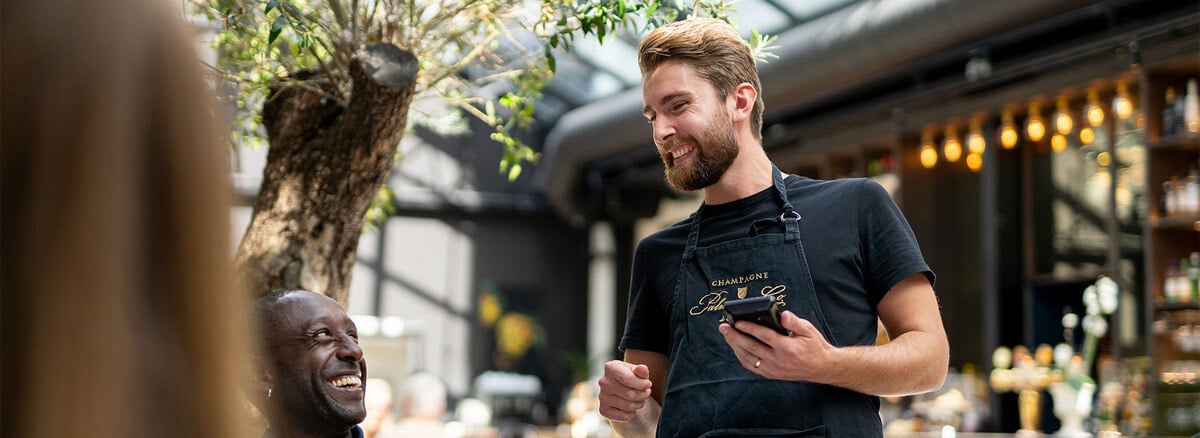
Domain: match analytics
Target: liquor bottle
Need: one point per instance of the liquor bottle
(1183, 287)
(1193, 276)
(1170, 114)
(1165, 203)
(1191, 193)
(1191, 115)
(1174, 193)
(1169, 283)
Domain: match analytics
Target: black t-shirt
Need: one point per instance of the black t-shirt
(857, 243)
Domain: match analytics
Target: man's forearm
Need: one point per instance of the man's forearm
(643, 424)
(912, 363)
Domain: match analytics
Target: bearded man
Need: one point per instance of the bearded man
(837, 256)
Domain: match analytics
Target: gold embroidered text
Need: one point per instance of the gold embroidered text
(739, 279)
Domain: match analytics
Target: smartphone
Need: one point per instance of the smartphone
(759, 310)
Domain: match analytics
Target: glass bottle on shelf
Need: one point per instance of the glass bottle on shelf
(1183, 287)
(1170, 114)
(1165, 202)
(1191, 193)
(1170, 293)
(1191, 115)
(1193, 276)
(1173, 194)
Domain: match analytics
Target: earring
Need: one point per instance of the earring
(268, 392)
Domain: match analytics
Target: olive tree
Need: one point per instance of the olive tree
(329, 84)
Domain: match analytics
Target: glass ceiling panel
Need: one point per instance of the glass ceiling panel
(614, 56)
(805, 10)
(762, 16)
(592, 71)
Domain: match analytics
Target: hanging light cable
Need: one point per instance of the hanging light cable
(975, 142)
(1093, 111)
(951, 146)
(1008, 130)
(1035, 127)
(1122, 104)
(1062, 117)
(928, 152)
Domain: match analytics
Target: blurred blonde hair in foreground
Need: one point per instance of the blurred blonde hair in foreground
(119, 313)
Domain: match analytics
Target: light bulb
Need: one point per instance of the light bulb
(974, 161)
(1122, 105)
(1093, 110)
(1035, 128)
(1086, 135)
(928, 151)
(1058, 143)
(1008, 131)
(1062, 117)
(975, 142)
(951, 147)
(1102, 159)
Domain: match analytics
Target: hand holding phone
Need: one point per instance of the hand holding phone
(762, 310)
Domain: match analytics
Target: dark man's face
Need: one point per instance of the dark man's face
(318, 366)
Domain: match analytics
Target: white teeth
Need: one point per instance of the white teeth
(347, 382)
(680, 152)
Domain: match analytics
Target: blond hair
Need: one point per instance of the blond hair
(713, 48)
(117, 283)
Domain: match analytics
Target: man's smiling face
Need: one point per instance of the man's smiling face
(318, 366)
(692, 128)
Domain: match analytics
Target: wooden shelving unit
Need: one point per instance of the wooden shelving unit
(1175, 395)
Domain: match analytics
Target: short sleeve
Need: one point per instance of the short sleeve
(890, 248)
(647, 326)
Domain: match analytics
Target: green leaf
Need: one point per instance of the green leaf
(276, 27)
(271, 4)
(514, 172)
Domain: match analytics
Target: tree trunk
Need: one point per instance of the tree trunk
(324, 166)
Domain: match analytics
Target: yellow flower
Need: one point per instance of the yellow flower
(516, 334)
(489, 308)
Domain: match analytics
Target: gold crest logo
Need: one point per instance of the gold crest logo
(741, 292)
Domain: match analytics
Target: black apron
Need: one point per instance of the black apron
(708, 392)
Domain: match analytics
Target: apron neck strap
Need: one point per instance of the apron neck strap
(781, 192)
(789, 217)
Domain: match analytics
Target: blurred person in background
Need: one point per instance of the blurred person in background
(117, 294)
(422, 404)
(379, 422)
(308, 370)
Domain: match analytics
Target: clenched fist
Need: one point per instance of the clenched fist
(624, 389)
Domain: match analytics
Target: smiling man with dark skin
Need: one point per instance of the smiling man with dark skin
(309, 378)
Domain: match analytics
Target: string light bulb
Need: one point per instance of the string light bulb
(1035, 127)
(1093, 111)
(1008, 130)
(951, 146)
(1086, 135)
(1058, 143)
(928, 151)
(1122, 105)
(974, 161)
(975, 142)
(1062, 117)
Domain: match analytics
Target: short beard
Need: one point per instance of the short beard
(716, 148)
(310, 407)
